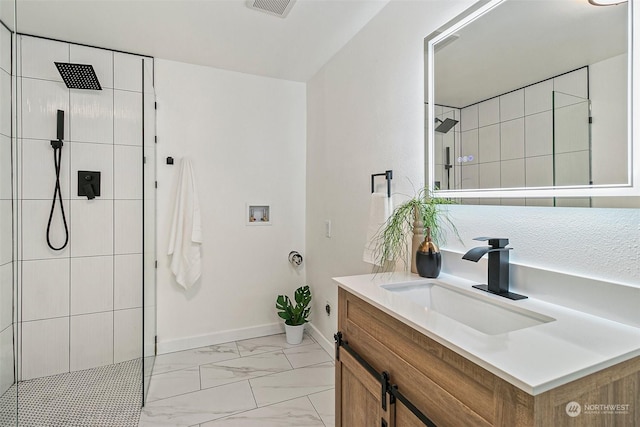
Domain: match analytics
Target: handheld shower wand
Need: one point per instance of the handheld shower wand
(57, 157)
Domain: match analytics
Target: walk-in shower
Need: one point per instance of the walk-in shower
(77, 270)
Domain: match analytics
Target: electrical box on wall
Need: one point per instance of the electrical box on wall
(258, 214)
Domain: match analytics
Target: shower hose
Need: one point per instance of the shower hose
(57, 157)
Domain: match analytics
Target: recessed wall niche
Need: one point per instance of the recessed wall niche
(258, 214)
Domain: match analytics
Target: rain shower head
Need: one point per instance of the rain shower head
(445, 126)
(78, 76)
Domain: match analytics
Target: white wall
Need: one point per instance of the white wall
(245, 136)
(366, 115)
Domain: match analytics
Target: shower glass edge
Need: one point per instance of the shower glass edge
(149, 330)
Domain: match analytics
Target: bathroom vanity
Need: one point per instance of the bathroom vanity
(410, 347)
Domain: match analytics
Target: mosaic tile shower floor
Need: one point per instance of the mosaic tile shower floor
(105, 396)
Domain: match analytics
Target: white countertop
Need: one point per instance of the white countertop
(535, 359)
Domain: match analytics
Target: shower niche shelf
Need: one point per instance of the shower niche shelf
(258, 214)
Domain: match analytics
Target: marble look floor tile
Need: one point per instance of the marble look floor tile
(199, 407)
(199, 356)
(174, 383)
(243, 368)
(307, 355)
(291, 384)
(268, 344)
(325, 404)
(297, 412)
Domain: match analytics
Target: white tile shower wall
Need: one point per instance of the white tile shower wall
(516, 130)
(69, 297)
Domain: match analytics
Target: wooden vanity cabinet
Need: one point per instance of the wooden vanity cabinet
(451, 390)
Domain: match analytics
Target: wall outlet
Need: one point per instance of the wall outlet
(327, 308)
(327, 228)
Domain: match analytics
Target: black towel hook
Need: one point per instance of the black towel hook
(388, 175)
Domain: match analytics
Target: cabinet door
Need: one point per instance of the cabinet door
(358, 393)
(403, 417)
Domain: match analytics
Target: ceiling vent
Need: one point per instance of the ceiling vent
(273, 7)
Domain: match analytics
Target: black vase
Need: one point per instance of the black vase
(428, 264)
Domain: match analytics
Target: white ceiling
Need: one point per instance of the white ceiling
(223, 34)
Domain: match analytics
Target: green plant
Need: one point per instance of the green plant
(295, 315)
(391, 240)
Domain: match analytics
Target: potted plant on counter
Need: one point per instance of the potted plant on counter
(295, 316)
(423, 212)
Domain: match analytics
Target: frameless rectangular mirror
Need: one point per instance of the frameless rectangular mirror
(532, 99)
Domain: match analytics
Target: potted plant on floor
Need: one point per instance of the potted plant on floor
(295, 316)
(425, 211)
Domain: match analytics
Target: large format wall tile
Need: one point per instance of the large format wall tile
(91, 227)
(6, 296)
(34, 216)
(100, 59)
(512, 105)
(6, 360)
(5, 107)
(512, 139)
(128, 223)
(92, 116)
(127, 172)
(489, 144)
(489, 112)
(39, 55)
(539, 134)
(127, 292)
(5, 168)
(91, 341)
(38, 169)
(538, 97)
(5, 50)
(41, 101)
(127, 118)
(6, 232)
(45, 289)
(127, 72)
(127, 333)
(45, 347)
(91, 284)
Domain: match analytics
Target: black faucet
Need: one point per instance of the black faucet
(498, 274)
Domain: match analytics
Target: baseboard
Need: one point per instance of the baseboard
(321, 339)
(220, 337)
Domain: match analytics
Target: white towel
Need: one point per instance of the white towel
(186, 233)
(379, 210)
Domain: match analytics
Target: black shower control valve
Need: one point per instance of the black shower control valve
(89, 184)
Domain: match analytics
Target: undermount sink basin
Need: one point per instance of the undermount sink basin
(467, 308)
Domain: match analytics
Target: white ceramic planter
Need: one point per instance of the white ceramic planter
(294, 333)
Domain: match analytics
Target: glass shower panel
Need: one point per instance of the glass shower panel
(571, 144)
(149, 209)
(8, 389)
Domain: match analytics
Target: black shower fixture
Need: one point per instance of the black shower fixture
(78, 76)
(445, 126)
